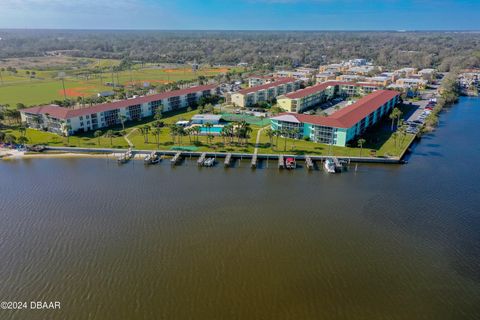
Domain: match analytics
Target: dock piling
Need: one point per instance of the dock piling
(281, 162)
(228, 159)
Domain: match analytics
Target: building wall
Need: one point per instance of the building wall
(342, 136)
(86, 122)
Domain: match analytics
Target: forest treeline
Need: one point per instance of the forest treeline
(442, 50)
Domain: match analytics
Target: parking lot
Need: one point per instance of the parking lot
(416, 120)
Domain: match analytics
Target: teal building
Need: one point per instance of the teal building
(342, 126)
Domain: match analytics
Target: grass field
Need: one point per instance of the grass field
(46, 86)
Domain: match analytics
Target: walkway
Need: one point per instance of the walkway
(257, 142)
(130, 144)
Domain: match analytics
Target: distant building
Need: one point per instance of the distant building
(106, 94)
(412, 83)
(267, 92)
(65, 121)
(303, 99)
(342, 126)
(325, 76)
(406, 72)
(254, 81)
(428, 74)
(350, 77)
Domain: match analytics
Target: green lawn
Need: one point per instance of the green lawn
(19, 88)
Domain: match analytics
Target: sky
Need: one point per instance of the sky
(242, 14)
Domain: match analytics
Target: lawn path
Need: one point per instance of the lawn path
(257, 142)
(130, 144)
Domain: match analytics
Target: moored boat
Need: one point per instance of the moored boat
(329, 165)
(290, 163)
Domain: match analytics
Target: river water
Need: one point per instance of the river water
(130, 242)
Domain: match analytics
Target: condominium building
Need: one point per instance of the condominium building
(267, 92)
(412, 83)
(260, 80)
(303, 99)
(67, 121)
(342, 126)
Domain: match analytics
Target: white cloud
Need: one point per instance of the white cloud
(60, 5)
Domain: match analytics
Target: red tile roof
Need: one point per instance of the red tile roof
(65, 113)
(268, 85)
(350, 115)
(322, 86)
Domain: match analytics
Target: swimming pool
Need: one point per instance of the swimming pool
(212, 130)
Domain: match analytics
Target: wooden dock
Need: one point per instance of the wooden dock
(309, 162)
(254, 161)
(201, 160)
(336, 162)
(228, 159)
(176, 158)
(281, 162)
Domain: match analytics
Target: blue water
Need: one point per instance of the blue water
(212, 130)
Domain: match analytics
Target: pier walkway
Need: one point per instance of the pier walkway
(173, 153)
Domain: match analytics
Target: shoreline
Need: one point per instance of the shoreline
(72, 152)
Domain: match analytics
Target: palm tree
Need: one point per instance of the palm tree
(270, 134)
(173, 131)
(122, 119)
(110, 134)
(22, 140)
(158, 114)
(181, 133)
(97, 134)
(209, 126)
(247, 130)
(68, 128)
(146, 130)
(156, 133)
(394, 115)
(360, 143)
(188, 132)
(285, 133)
(10, 138)
(23, 130)
(196, 131)
(399, 120)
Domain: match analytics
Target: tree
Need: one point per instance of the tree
(10, 138)
(270, 134)
(23, 130)
(146, 130)
(173, 131)
(2, 136)
(156, 132)
(97, 134)
(158, 113)
(110, 134)
(68, 128)
(123, 119)
(22, 140)
(360, 143)
(209, 126)
(395, 114)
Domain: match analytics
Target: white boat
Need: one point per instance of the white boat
(152, 158)
(209, 162)
(329, 166)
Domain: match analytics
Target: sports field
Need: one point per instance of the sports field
(45, 86)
